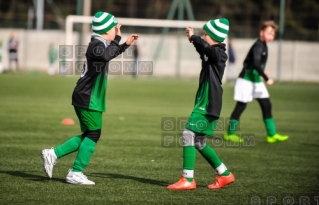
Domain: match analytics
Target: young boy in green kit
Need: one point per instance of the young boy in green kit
(208, 104)
(249, 86)
(88, 97)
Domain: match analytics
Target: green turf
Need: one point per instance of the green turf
(130, 165)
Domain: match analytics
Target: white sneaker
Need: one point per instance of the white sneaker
(78, 178)
(49, 159)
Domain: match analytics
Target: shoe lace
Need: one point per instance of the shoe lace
(83, 175)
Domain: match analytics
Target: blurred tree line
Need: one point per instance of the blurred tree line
(245, 16)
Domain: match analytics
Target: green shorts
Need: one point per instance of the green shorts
(202, 123)
(89, 119)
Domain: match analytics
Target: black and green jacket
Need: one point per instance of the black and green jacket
(209, 94)
(255, 62)
(90, 89)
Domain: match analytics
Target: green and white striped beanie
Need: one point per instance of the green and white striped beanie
(103, 22)
(217, 29)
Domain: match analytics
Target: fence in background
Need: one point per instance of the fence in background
(300, 60)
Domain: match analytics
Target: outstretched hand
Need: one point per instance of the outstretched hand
(189, 33)
(131, 38)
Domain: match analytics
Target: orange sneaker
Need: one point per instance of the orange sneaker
(182, 184)
(222, 181)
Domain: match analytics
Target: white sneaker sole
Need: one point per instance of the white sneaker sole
(70, 181)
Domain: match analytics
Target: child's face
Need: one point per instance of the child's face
(110, 35)
(207, 38)
(268, 34)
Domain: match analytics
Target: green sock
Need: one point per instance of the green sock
(211, 156)
(68, 147)
(189, 156)
(232, 127)
(270, 126)
(84, 155)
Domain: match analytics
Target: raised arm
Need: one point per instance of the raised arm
(118, 33)
(199, 44)
(117, 38)
(197, 41)
(114, 49)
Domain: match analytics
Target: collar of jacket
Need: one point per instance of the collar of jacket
(100, 38)
(220, 45)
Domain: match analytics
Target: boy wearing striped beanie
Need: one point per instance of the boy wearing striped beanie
(208, 103)
(88, 97)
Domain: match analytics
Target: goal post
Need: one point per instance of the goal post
(177, 57)
(71, 19)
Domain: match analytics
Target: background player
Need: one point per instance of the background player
(249, 86)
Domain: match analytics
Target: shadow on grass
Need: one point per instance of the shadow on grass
(139, 179)
(30, 176)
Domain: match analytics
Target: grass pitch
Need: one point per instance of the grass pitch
(131, 164)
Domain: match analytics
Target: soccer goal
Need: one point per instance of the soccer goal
(170, 53)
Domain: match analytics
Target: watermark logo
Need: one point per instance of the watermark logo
(285, 199)
(145, 68)
(175, 140)
(169, 140)
(173, 127)
(130, 52)
(73, 58)
(66, 68)
(99, 51)
(80, 51)
(179, 124)
(115, 68)
(65, 52)
(79, 67)
(129, 67)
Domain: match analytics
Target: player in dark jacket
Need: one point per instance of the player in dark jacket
(249, 86)
(88, 97)
(208, 104)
